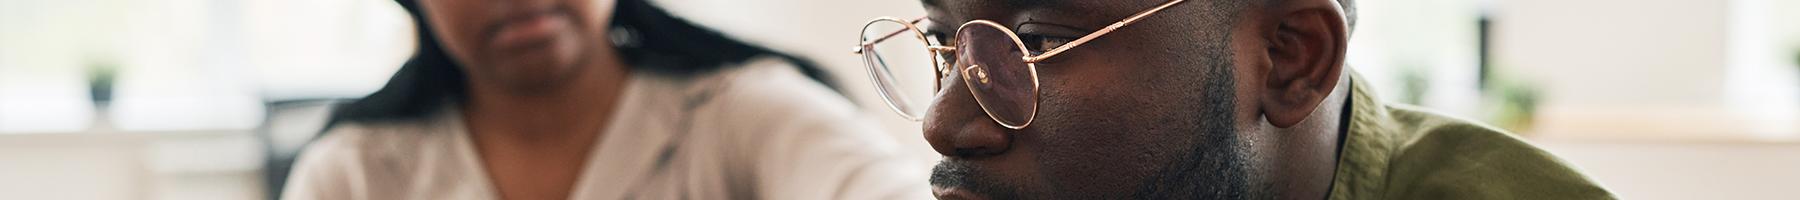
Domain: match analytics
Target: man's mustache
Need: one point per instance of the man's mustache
(950, 174)
(962, 175)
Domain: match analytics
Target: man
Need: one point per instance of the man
(1195, 99)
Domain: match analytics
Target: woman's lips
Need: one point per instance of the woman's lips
(955, 193)
(530, 31)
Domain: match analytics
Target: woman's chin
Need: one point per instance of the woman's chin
(545, 69)
(531, 78)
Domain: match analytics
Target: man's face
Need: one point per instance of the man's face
(1145, 112)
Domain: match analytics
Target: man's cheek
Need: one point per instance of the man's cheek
(1091, 145)
(1100, 160)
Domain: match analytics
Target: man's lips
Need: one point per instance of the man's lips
(955, 193)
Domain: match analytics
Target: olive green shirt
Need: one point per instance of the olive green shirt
(1403, 152)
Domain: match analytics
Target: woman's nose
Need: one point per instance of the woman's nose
(956, 126)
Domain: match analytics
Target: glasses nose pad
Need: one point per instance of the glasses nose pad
(945, 57)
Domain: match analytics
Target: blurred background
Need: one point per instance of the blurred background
(209, 99)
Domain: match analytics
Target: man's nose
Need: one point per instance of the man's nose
(956, 126)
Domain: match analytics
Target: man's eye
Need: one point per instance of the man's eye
(1040, 44)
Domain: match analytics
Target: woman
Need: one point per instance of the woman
(595, 99)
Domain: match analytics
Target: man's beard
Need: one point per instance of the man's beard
(1215, 169)
(1216, 166)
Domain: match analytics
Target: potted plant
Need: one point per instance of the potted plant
(101, 73)
(1414, 83)
(1511, 102)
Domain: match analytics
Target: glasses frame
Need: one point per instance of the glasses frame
(937, 61)
(940, 63)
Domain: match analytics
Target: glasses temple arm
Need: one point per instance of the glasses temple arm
(1103, 31)
(859, 48)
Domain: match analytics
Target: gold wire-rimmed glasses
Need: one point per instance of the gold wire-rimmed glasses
(983, 52)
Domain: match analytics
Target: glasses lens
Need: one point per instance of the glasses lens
(900, 66)
(992, 63)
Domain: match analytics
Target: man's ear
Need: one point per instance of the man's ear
(1306, 52)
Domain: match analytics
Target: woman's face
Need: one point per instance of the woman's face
(523, 44)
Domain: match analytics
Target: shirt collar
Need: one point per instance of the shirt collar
(1362, 161)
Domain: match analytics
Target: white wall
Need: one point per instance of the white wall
(1437, 38)
(1602, 52)
(1663, 99)
(1653, 68)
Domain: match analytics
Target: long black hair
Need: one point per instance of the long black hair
(658, 42)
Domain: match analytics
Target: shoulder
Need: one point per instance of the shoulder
(346, 149)
(766, 106)
(803, 140)
(362, 142)
(772, 82)
(1446, 157)
(1421, 128)
(773, 96)
(375, 160)
(354, 159)
(331, 166)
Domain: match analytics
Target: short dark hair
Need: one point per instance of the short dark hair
(1349, 12)
(1349, 7)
